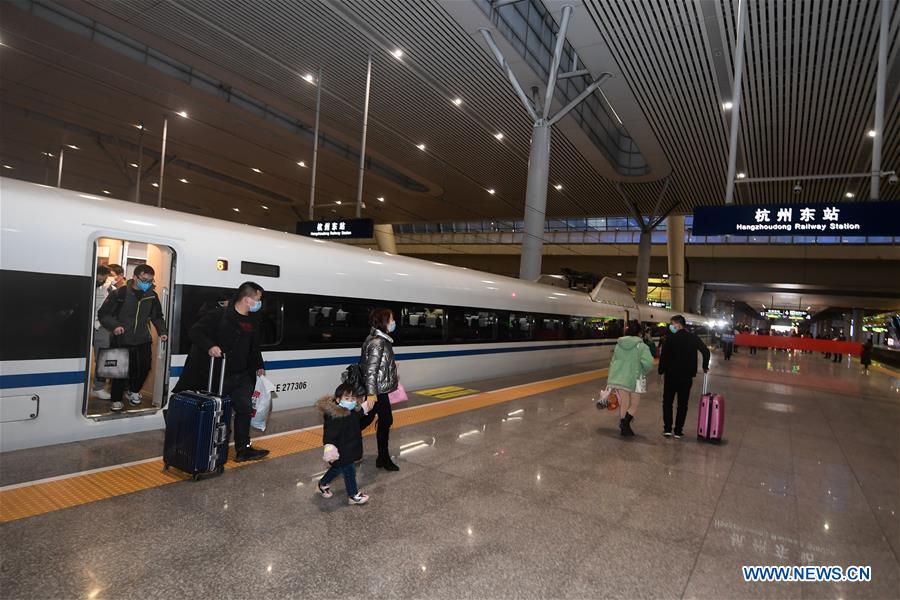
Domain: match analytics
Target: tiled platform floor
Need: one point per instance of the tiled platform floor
(537, 497)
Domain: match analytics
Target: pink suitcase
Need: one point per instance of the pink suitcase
(711, 420)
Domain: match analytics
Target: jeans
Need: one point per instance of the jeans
(240, 386)
(681, 387)
(382, 410)
(349, 472)
(139, 360)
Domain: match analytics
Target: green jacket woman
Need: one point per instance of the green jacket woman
(630, 360)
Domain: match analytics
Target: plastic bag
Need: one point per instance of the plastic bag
(262, 402)
(330, 453)
(398, 395)
(609, 399)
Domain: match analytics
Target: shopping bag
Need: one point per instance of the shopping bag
(398, 395)
(262, 402)
(112, 363)
(330, 453)
(640, 385)
(606, 394)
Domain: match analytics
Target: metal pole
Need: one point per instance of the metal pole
(817, 177)
(140, 165)
(875, 192)
(643, 266)
(362, 152)
(312, 182)
(513, 80)
(162, 161)
(736, 101)
(557, 56)
(535, 202)
(62, 152)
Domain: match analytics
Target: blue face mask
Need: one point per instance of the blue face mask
(256, 306)
(348, 404)
(144, 285)
(673, 329)
(392, 326)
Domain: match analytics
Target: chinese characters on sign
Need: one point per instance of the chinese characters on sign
(841, 218)
(337, 228)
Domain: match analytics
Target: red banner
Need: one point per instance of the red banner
(797, 343)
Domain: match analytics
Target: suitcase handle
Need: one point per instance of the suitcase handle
(221, 434)
(705, 382)
(212, 364)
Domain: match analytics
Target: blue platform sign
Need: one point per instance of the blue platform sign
(840, 218)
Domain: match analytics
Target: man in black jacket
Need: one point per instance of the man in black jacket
(234, 331)
(678, 366)
(127, 313)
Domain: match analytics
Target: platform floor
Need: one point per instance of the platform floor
(534, 497)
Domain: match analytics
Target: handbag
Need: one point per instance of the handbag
(398, 395)
(640, 386)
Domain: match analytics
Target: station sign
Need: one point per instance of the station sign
(345, 229)
(840, 218)
(776, 313)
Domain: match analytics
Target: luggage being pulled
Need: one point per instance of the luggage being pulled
(711, 420)
(197, 429)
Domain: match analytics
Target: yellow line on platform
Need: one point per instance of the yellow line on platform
(28, 500)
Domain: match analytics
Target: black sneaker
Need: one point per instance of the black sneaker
(386, 463)
(678, 435)
(667, 433)
(251, 453)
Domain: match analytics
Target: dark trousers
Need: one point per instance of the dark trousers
(672, 386)
(838, 357)
(349, 472)
(728, 348)
(239, 387)
(753, 350)
(382, 410)
(139, 361)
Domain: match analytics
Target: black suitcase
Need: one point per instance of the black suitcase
(197, 429)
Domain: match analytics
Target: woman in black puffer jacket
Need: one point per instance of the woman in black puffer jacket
(380, 371)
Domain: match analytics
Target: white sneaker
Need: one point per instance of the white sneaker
(359, 498)
(116, 406)
(134, 398)
(102, 394)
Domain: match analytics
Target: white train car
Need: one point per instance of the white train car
(454, 325)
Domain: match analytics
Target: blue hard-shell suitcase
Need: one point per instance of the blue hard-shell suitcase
(197, 428)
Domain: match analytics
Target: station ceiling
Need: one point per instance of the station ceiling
(85, 73)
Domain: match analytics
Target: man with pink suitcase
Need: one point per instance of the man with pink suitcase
(678, 366)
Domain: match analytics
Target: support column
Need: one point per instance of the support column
(883, 41)
(384, 235)
(676, 261)
(857, 326)
(736, 101)
(643, 267)
(693, 297)
(535, 202)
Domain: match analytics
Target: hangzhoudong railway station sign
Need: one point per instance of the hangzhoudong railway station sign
(841, 218)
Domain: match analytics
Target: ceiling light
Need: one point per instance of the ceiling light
(182, 113)
(491, 191)
(665, 275)
(498, 135)
(381, 198)
(741, 175)
(155, 184)
(849, 194)
(618, 274)
(105, 191)
(183, 180)
(398, 53)
(301, 164)
(457, 101)
(135, 165)
(73, 147)
(139, 125)
(236, 209)
(7, 167)
(265, 207)
(421, 146)
(255, 170)
(727, 105)
(309, 77)
(558, 186)
(50, 154)
(872, 133)
(338, 202)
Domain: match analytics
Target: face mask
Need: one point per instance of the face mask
(144, 285)
(256, 306)
(392, 326)
(673, 329)
(348, 404)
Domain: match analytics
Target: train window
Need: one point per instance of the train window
(471, 325)
(131, 351)
(261, 269)
(578, 328)
(271, 321)
(603, 328)
(417, 323)
(552, 327)
(517, 327)
(337, 321)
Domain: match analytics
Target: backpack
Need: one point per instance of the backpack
(355, 376)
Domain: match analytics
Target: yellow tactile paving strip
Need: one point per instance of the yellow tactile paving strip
(49, 496)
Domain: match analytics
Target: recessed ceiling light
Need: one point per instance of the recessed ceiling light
(491, 191)
(457, 101)
(381, 198)
(183, 180)
(309, 77)
(7, 167)
(265, 207)
(135, 165)
(421, 146)
(182, 113)
(498, 135)
(73, 147)
(872, 133)
(618, 274)
(155, 184)
(255, 170)
(727, 105)
(741, 175)
(301, 164)
(849, 194)
(558, 186)
(398, 53)
(105, 191)
(338, 202)
(138, 126)
(50, 154)
(665, 275)
(236, 209)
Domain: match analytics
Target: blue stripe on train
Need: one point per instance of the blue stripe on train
(73, 377)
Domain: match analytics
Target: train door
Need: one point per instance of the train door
(144, 387)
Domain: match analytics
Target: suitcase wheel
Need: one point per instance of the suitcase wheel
(195, 477)
(220, 469)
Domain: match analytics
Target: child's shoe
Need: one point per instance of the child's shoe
(325, 490)
(359, 498)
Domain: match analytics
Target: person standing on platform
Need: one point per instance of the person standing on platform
(728, 344)
(102, 285)
(118, 274)
(865, 358)
(380, 371)
(678, 366)
(232, 331)
(630, 363)
(839, 356)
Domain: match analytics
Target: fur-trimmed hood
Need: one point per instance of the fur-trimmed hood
(330, 408)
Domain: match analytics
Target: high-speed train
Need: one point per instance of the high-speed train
(454, 324)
